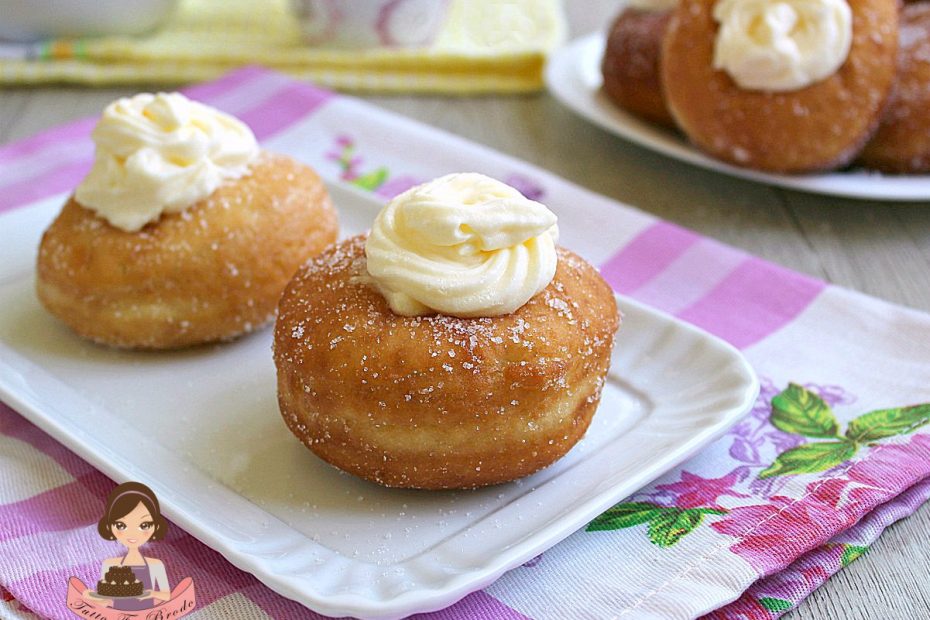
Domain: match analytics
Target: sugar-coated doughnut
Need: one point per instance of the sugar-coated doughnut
(210, 272)
(817, 127)
(439, 402)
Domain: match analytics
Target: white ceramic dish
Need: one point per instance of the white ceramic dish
(573, 76)
(201, 427)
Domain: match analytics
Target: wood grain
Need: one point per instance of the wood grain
(879, 248)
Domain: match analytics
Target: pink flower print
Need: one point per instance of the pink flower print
(816, 575)
(888, 467)
(377, 180)
(771, 535)
(783, 590)
(350, 171)
(745, 607)
(696, 492)
(829, 491)
(344, 156)
(803, 576)
(893, 464)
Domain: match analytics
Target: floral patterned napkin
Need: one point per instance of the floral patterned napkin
(836, 448)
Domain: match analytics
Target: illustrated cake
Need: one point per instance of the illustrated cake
(119, 581)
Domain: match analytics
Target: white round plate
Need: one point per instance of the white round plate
(573, 76)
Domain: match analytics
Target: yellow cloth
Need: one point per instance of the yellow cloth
(484, 46)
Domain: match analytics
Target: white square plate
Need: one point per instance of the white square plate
(573, 76)
(202, 428)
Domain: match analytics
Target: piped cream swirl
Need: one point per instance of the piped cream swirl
(781, 45)
(160, 154)
(463, 245)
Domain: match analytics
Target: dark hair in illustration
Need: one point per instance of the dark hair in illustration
(122, 500)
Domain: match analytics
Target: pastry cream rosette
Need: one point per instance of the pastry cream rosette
(463, 245)
(160, 154)
(781, 45)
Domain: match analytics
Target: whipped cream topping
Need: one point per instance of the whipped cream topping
(781, 45)
(653, 6)
(160, 154)
(463, 245)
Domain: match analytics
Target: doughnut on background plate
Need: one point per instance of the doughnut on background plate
(573, 77)
(902, 142)
(819, 127)
(631, 64)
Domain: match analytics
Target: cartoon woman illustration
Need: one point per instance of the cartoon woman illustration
(132, 518)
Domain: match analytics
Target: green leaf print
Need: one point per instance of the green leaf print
(709, 511)
(800, 411)
(625, 515)
(667, 525)
(888, 422)
(667, 529)
(810, 458)
(775, 604)
(851, 553)
(371, 180)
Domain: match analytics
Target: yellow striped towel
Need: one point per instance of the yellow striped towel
(485, 46)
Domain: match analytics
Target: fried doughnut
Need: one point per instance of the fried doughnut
(817, 127)
(439, 402)
(211, 272)
(902, 142)
(631, 64)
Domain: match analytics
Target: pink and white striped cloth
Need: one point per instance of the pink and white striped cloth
(749, 527)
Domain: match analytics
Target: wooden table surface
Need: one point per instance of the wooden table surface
(882, 249)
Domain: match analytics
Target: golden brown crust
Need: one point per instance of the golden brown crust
(439, 402)
(902, 142)
(819, 127)
(631, 64)
(212, 272)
